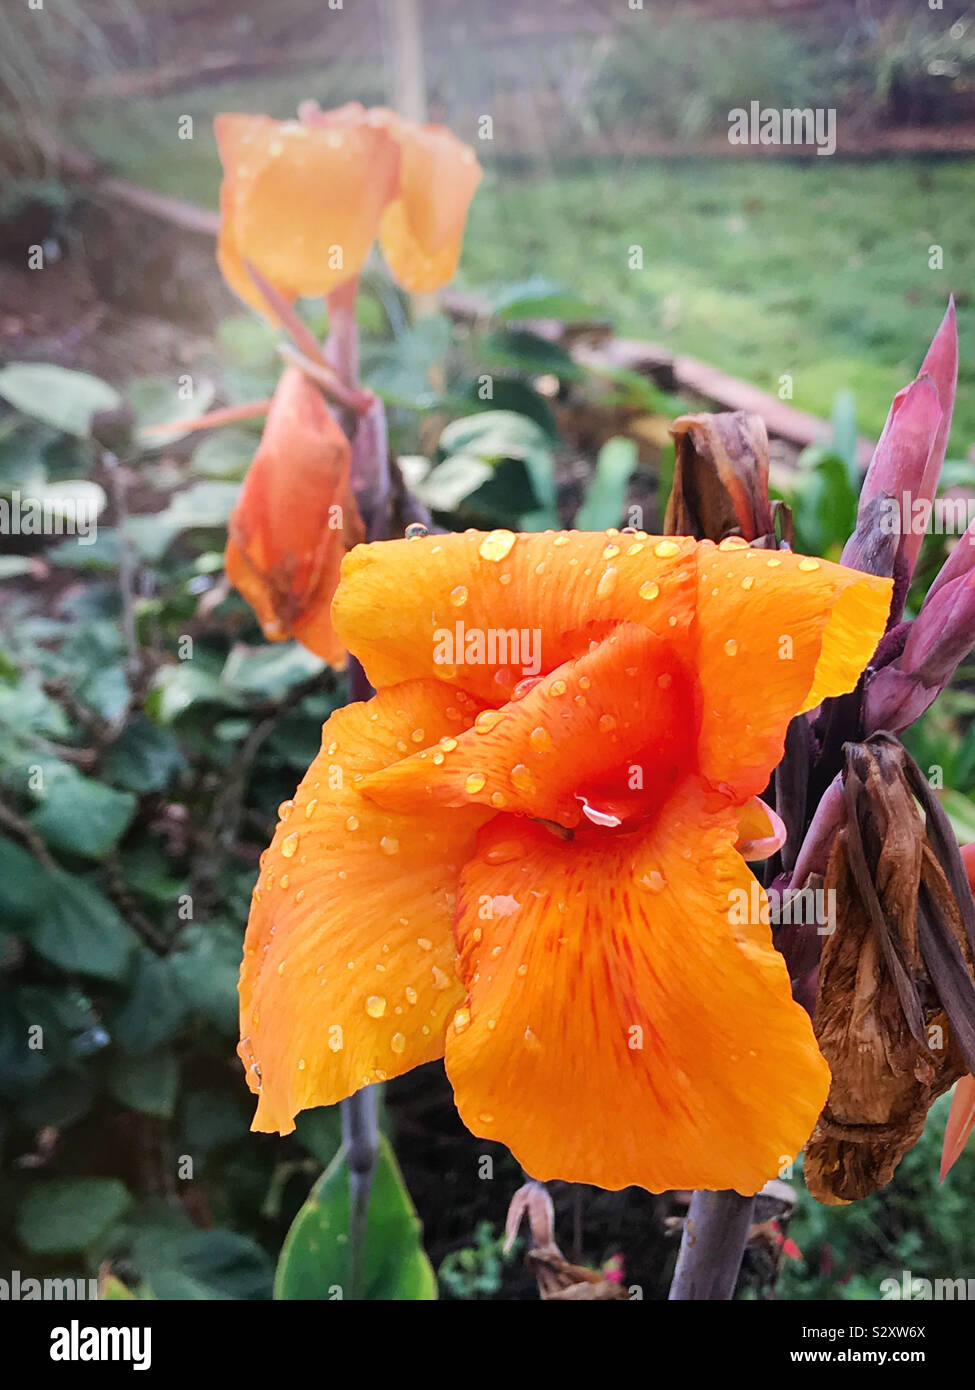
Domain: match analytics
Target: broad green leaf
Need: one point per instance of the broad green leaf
(156, 400)
(57, 396)
(204, 505)
(314, 1261)
(523, 351)
(144, 758)
(59, 1100)
(606, 494)
(446, 486)
(185, 683)
(59, 1215)
(539, 298)
(224, 453)
(76, 927)
(209, 1265)
(961, 812)
(269, 671)
(147, 1084)
(400, 370)
(82, 816)
(493, 435)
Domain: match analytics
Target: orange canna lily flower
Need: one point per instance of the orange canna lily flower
(294, 520)
(520, 854)
(961, 1116)
(303, 201)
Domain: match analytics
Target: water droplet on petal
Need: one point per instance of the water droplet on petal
(487, 720)
(748, 581)
(285, 809)
(375, 1006)
(440, 978)
(606, 723)
(352, 822)
(398, 1042)
(808, 564)
(666, 549)
(415, 531)
(424, 943)
(389, 844)
(458, 596)
(521, 778)
(731, 647)
(653, 882)
(556, 688)
(462, 1019)
(648, 589)
(540, 739)
(474, 782)
(289, 844)
(496, 545)
(774, 564)
(607, 583)
(733, 543)
(410, 993)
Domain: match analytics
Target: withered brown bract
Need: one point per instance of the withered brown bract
(721, 480)
(895, 1012)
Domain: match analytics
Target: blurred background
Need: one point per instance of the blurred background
(623, 263)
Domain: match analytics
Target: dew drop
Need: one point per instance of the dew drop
(606, 723)
(474, 782)
(415, 531)
(807, 564)
(448, 744)
(653, 882)
(522, 970)
(774, 564)
(733, 543)
(462, 1019)
(665, 549)
(375, 1006)
(424, 943)
(610, 551)
(389, 844)
(410, 993)
(302, 1064)
(521, 778)
(731, 647)
(561, 539)
(648, 589)
(487, 720)
(458, 596)
(285, 809)
(607, 583)
(352, 822)
(289, 844)
(556, 688)
(398, 1042)
(540, 739)
(417, 735)
(748, 581)
(441, 979)
(300, 895)
(496, 545)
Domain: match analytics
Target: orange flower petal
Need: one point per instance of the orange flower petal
(961, 1122)
(236, 136)
(400, 602)
(422, 230)
(304, 202)
(620, 1029)
(294, 519)
(609, 732)
(348, 973)
(761, 831)
(778, 634)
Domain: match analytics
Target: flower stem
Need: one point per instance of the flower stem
(360, 1136)
(712, 1246)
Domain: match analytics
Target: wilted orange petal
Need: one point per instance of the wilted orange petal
(422, 230)
(778, 634)
(304, 202)
(400, 602)
(961, 1122)
(612, 730)
(294, 519)
(620, 1029)
(237, 137)
(348, 972)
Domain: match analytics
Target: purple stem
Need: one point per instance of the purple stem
(712, 1246)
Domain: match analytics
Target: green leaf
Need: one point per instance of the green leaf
(269, 671)
(207, 970)
(57, 396)
(606, 494)
(314, 1261)
(224, 453)
(400, 371)
(76, 927)
(81, 816)
(960, 810)
(144, 758)
(446, 486)
(156, 401)
(185, 683)
(493, 435)
(207, 1265)
(528, 352)
(155, 1008)
(539, 298)
(66, 1214)
(202, 506)
(147, 1084)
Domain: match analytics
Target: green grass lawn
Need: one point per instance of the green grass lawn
(814, 270)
